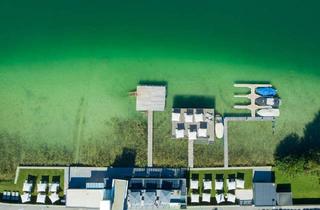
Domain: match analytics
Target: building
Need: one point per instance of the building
(264, 188)
(126, 188)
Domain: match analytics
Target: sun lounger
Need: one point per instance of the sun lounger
(195, 198)
(220, 198)
(231, 183)
(41, 198)
(206, 197)
(26, 197)
(231, 198)
(54, 198)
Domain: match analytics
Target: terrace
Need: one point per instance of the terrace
(213, 186)
(195, 124)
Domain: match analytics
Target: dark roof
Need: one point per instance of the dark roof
(264, 177)
(264, 194)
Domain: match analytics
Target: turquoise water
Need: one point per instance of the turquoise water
(56, 54)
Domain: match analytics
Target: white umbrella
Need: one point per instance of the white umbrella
(240, 183)
(194, 184)
(192, 135)
(219, 198)
(206, 197)
(179, 134)
(218, 185)
(198, 117)
(195, 198)
(54, 187)
(175, 117)
(202, 132)
(54, 197)
(231, 184)
(188, 118)
(26, 197)
(231, 198)
(41, 198)
(207, 185)
(42, 187)
(26, 187)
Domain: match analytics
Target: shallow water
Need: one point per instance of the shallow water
(61, 61)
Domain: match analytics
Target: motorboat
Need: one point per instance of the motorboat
(266, 91)
(269, 112)
(219, 128)
(274, 102)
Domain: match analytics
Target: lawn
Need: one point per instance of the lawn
(38, 174)
(247, 177)
(303, 186)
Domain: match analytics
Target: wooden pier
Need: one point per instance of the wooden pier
(150, 136)
(252, 96)
(190, 153)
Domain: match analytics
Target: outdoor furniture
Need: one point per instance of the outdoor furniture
(180, 130)
(5, 195)
(54, 187)
(175, 115)
(188, 116)
(231, 184)
(17, 195)
(240, 183)
(202, 132)
(25, 197)
(207, 184)
(218, 184)
(198, 116)
(194, 184)
(219, 198)
(42, 187)
(27, 186)
(195, 198)
(192, 132)
(231, 198)
(54, 197)
(206, 197)
(192, 135)
(41, 198)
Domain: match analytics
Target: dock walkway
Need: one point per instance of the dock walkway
(252, 96)
(225, 132)
(150, 135)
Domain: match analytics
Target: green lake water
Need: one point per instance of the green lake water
(65, 60)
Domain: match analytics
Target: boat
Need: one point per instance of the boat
(269, 112)
(274, 102)
(219, 128)
(266, 91)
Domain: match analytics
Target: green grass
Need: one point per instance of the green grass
(303, 186)
(86, 58)
(247, 178)
(38, 173)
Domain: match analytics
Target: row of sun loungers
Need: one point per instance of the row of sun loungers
(10, 196)
(206, 197)
(190, 116)
(233, 183)
(42, 188)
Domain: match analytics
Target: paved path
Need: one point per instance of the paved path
(150, 135)
(225, 133)
(190, 153)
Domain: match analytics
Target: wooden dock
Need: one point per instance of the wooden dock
(150, 136)
(225, 132)
(252, 96)
(190, 153)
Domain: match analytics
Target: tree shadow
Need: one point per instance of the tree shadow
(192, 101)
(304, 148)
(126, 159)
(153, 82)
(252, 82)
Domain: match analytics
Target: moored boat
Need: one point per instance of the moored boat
(268, 101)
(269, 112)
(266, 91)
(219, 127)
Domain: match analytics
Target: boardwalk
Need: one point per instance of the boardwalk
(190, 153)
(225, 132)
(150, 135)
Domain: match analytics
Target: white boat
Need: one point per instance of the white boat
(269, 112)
(219, 127)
